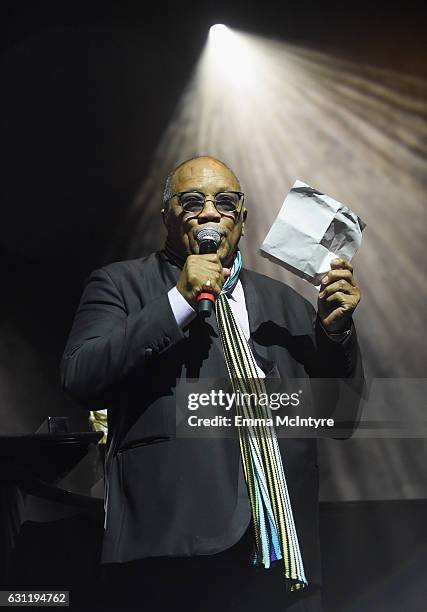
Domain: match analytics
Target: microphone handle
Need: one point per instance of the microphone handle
(206, 299)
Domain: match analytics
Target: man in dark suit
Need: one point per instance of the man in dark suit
(178, 521)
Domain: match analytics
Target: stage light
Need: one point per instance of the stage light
(227, 56)
(219, 31)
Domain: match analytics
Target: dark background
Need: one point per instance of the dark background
(87, 91)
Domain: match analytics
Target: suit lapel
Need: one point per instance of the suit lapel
(252, 300)
(263, 355)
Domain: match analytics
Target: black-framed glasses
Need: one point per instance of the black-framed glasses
(226, 202)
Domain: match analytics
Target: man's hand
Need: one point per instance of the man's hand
(201, 271)
(339, 295)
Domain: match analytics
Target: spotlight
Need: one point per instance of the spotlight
(228, 55)
(219, 31)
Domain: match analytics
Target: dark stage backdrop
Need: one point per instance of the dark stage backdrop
(98, 105)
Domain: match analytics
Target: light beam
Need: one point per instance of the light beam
(274, 113)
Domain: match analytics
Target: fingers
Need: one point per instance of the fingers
(337, 274)
(342, 263)
(336, 319)
(213, 282)
(201, 273)
(339, 296)
(213, 257)
(341, 286)
(204, 268)
(342, 300)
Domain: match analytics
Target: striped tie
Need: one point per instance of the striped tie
(275, 533)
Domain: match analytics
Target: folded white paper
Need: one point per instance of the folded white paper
(310, 231)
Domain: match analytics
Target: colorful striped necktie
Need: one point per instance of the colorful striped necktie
(275, 534)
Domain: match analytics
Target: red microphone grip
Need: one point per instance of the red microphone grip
(206, 296)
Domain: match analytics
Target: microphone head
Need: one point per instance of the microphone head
(210, 233)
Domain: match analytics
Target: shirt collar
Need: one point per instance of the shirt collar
(237, 293)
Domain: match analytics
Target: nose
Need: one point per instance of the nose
(209, 212)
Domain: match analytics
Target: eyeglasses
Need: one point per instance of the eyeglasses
(226, 202)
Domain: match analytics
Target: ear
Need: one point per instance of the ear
(245, 214)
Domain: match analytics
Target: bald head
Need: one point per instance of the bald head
(201, 166)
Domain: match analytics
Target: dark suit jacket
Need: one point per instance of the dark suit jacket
(174, 496)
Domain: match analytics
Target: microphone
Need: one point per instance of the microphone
(208, 239)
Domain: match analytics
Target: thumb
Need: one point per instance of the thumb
(226, 272)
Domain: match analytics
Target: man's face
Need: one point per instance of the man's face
(209, 177)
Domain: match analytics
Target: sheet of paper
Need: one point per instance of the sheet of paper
(310, 231)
